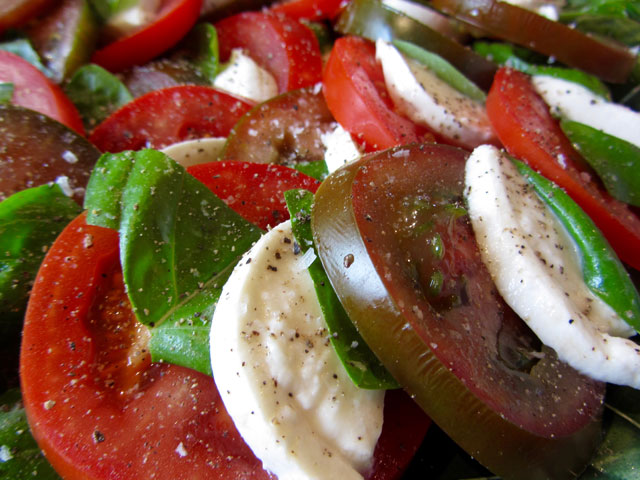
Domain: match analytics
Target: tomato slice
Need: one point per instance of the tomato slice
(393, 235)
(32, 89)
(162, 117)
(605, 59)
(174, 20)
(310, 9)
(286, 129)
(14, 13)
(282, 45)
(38, 150)
(254, 190)
(354, 88)
(526, 128)
(99, 409)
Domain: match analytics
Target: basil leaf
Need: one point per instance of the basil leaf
(200, 47)
(624, 30)
(443, 70)
(183, 338)
(616, 161)
(96, 93)
(317, 169)
(20, 456)
(175, 234)
(30, 220)
(6, 92)
(507, 54)
(362, 366)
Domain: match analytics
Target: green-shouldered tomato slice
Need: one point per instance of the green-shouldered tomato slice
(394, 237)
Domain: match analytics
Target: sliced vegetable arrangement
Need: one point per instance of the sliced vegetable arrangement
(319, 239)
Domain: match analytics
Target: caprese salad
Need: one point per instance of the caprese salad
(319, 239)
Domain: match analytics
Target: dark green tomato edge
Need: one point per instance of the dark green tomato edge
(362, 366)
(602, 270)
(498, 444)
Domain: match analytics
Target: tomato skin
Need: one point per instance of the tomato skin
(254, 190)
(162, 117)
(174, 20)
(282, 45)
(353, 86)
(83, 411)
(528, 131)
(32, 89)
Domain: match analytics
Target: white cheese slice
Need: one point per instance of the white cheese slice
(535, 267)
(278, 375)
(193, 152)
(576, 102)
(245, 78)
(427, 100)
(340, 148)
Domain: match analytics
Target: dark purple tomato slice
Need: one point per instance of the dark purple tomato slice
(394, 237)
(286, 130)
(37, 149)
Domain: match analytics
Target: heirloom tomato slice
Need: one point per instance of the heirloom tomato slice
(524, 124)
(100, 409)
(162, 117)
(282, 45)
(354, 88)
(394, 237)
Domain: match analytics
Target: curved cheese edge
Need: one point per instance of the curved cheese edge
(576, 102)
(427, 100)
(194, 152)
(278, 375)
(242, 76)
(534, 265)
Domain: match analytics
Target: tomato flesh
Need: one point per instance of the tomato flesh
(419, 294)
(354, 88)
(525, 127)
(162, 117)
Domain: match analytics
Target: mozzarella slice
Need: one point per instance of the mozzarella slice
(278, 375)
(340, 148)
(245, 78)
(576, 102)
(535, 267)
(427, 100)
(193, 152)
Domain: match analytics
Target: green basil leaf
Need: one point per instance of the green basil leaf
(362, 366)
(317, 169)
(175, 234)
(200, 47)
(30, 220)
(96, 93)
(514, 57)
(443, 70)
(602, 270)
(20, 456)
(616, 161)
(6, 92)
(624, 30)
(183, 338)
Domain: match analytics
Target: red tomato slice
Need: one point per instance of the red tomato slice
(285, 47)
(99, 409)
(310, 9)
(162, 117)
(33, 90)
(254, 190)
(174, 20)
(353, 86)
(526, 128)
